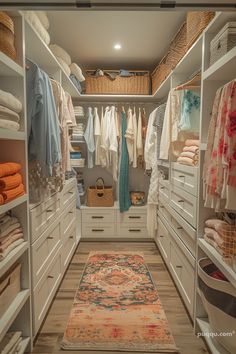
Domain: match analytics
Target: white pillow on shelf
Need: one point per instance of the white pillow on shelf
(43, 19)
(64, 66)
(60, 53)
(75, 69)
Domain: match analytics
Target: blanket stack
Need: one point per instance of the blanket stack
(10, 108)
(190, 154)
(11, 234)
(222, 236)
(11, 185)
(39, 21)
(11, 343)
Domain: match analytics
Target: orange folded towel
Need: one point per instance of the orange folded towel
(10, 182)
(13, 193)
(9, 168)
(1, 199)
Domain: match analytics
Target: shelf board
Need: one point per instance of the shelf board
(13, 310)
(117, 98)
(218, 22)
(12, 257)
(164, 89)
(14, 203)
(9, 67)
(24, 344)
(12, 135)
(214, 347)
(78, 142)
(224, 69)
(218, 261)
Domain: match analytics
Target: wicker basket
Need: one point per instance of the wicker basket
(134, 85)
(161, 72)
(197, 21)
(100, 195)
(7, 35)
(223, 42)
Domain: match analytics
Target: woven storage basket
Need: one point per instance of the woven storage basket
(7, 36)
(197, 21)
(161, 72)
(134, 85)
(100, 196)
(223, 42)
(9, 288)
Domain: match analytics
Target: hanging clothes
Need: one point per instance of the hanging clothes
(105, 121)
(124, 195)
(89, 138)
(150, 142)
(159, 125)
(97, 137)
(113, 143)
(71, 121)
(139, 135)
(190, 112)
(144, 123)
(129, 135)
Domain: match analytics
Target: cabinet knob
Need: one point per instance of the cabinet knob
(97, 230)
(179, 266)
(71, 236)
(50, 238)
(181, 201)
(179, 228)
(50, 277)
(134, 230)
(134, 217)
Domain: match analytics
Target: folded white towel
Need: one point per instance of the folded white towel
(10, 101)
(32, 17)
(65, 67)
(10, 248)
(43, 19)
(60, 53)
(75, 69)
(9, 124)
(10, 228)
(8, 114)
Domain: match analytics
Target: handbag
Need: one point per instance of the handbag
(100, 195)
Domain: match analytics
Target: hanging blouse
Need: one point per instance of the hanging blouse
(89, 138)
(190, 112)
(129, 134)
(97, 137)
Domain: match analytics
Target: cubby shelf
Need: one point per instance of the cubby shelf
(9, 67)
(14, 203)
(12, 257)
(12, 135)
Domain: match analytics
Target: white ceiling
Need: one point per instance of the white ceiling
(89, 36)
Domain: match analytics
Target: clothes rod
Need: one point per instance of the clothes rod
(109, 103)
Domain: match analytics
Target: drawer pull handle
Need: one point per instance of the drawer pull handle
(179, 228)
(134, 230)
(50, 276)
(97, 230)
(71, 237)
(181, 176)
(134, 217)
(97, 217)
(162, 206)
(49, 210)
(50, 238)
(71, 192)
(161, 236)
(71, 212)
(181, 201)
(179, 266)
(162, 187)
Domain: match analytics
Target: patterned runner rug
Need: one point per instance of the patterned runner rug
(117, 307)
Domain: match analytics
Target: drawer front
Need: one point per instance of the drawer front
(43, 215)
(98, 230)
(163, 239)
(45, 290)
(131, 231)
(163, 211)
(68, 219)
(185, 204)
(69, 245)
(185, 177)
(98, 216)
(132, 217)
(183, 274)
(164, 190)
(68, 193)
(44, 249)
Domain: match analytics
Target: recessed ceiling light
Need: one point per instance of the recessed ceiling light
(117, 46)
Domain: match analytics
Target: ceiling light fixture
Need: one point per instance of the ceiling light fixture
(117, 46)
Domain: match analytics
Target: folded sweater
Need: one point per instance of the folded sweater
(10, 229)
(10, 240)
(4, 239)
(5, 226)
(10, 182)
(10, 248)
(9, 168)
(13, 193)
(10, 101)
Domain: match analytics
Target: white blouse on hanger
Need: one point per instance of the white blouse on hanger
(97, 137)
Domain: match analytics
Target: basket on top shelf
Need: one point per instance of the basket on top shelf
(138, 84)
(7, 35)
(223, 42)
(197, 21)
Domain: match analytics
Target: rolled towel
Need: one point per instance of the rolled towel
(9, 114)
(13, 193)
(10, 101)
(65, 67)
(9, 168)
(60, 53)
(192, 142)
(187, 161)
(10, 182)
(194, 149)
(10, 125)
(43, 18)
(75, 70)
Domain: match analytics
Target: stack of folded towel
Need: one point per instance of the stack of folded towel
(79, 111)
(40, 23)
(10, 108)
(78, 132)
(11, 343)
(11, 234)
(11, 185)
(221, 235)
(190, 154)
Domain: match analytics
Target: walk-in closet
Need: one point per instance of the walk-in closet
(118, 177)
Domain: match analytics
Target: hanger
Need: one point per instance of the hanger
(190, 83)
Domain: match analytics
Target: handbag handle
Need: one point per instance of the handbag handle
(100, 192)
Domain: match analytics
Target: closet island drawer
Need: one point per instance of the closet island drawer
(132, 231)
(43, 215)
(133, 216)
(185, 204)
(183, 274)
(44, 249)
(185, 177)
(69, 244)
(163, 210)
(68, 219)
(164, 189)
(98, 230)
(163, 239)
(68, 194)
(98, 216)
(46, 289)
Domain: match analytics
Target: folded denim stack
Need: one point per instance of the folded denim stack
(11, 343)
(190, 154)
(11, 234)
(10, 108)
(11, 185)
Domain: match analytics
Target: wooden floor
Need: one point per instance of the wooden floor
(50, 336)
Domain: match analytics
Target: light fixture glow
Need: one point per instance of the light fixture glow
(117, 46)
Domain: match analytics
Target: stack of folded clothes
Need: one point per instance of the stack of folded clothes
(40, 23)
(11, 185)
(11, 234)
(190, 154)
(10, 108)
(11, 343)
(62, 56)
(221, 235)
(78, 132)
(77, 77)
(79, 111)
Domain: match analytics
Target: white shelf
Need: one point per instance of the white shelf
(9, 67)
(214, 347)
(164, 89)
(12, 135)
(13, 310)
(12, 257)
(14, 203)
(224, 69)
(218, 261)
(220, 19)
(78, 141)
(24, 345)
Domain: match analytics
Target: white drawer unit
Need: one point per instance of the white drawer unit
(68, 218)
(98, 216)
(185, 204)
(185, 177)
(98, 231)
(44, 249)
(46, 289)
(43, 215)
(132, 231)
(68, 193)
(134, 216)
(69, 244)
(163, 209)
(164, 189)
(163, 239)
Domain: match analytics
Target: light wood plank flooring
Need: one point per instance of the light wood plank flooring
(50, 336)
